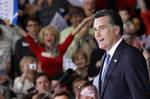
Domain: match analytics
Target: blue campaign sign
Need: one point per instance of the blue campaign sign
(15, 12)
(9, 10)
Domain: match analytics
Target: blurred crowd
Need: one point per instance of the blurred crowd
(41, 61)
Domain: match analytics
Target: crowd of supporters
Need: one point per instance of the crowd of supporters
(41, 61)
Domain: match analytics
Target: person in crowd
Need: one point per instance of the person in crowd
(145, 13)
(83, 89)
(10, 32)
(133, 40)
(119, 4)
(49, 52)
(42, 86)
(32, 26)
(126, 18)
(37, 5)
(88, 43)
(88, 92)
(49, 9)
(80, 59)
(61, 83)
(88, 7)
(82, 40)
(122, 75)
(5, 65)
(131, 24)
(22, 6)
(77, 86)
(60, 87)
(22, 83)
(76, 16)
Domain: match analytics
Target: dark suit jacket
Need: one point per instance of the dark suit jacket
(127, 76)
(96, 56)
(21, 49)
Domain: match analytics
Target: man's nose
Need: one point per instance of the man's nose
(97, 34)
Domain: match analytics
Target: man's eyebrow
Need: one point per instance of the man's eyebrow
(101, 26)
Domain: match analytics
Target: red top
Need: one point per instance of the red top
(146, 19)
(50, 65)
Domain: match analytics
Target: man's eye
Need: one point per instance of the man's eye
(95, 29)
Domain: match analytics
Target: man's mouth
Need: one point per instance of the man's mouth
(100, 40)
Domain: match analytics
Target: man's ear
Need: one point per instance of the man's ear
(117, 29)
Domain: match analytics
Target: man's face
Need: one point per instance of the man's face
(76, 20)
(42, 84)
(124, 15)
(80, 61)
(89, 7)
(106, 34)
(33, 28)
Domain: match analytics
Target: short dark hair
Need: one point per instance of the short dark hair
(32, 18)
(75, 10)
(115, 18)
(37, 75)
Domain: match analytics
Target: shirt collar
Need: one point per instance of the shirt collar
(112, 50)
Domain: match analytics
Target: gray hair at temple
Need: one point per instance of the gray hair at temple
(115, 18)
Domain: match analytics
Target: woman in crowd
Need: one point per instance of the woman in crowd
(80, 59)
(28, 67)
(48, 52)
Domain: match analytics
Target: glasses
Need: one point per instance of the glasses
(32, 25)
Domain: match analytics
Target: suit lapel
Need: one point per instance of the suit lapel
(113, 64)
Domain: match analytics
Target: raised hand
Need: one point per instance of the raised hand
(82, 24)
(21, 32)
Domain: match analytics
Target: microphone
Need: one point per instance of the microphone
(66, 74)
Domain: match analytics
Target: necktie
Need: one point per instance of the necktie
(105, 67)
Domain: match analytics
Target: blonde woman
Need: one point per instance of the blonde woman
(49, 53)
(28, 67)
(80, 59)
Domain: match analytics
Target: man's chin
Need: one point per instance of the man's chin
(102, 47)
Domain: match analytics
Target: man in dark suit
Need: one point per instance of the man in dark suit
(125, 76)
(32, 26)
